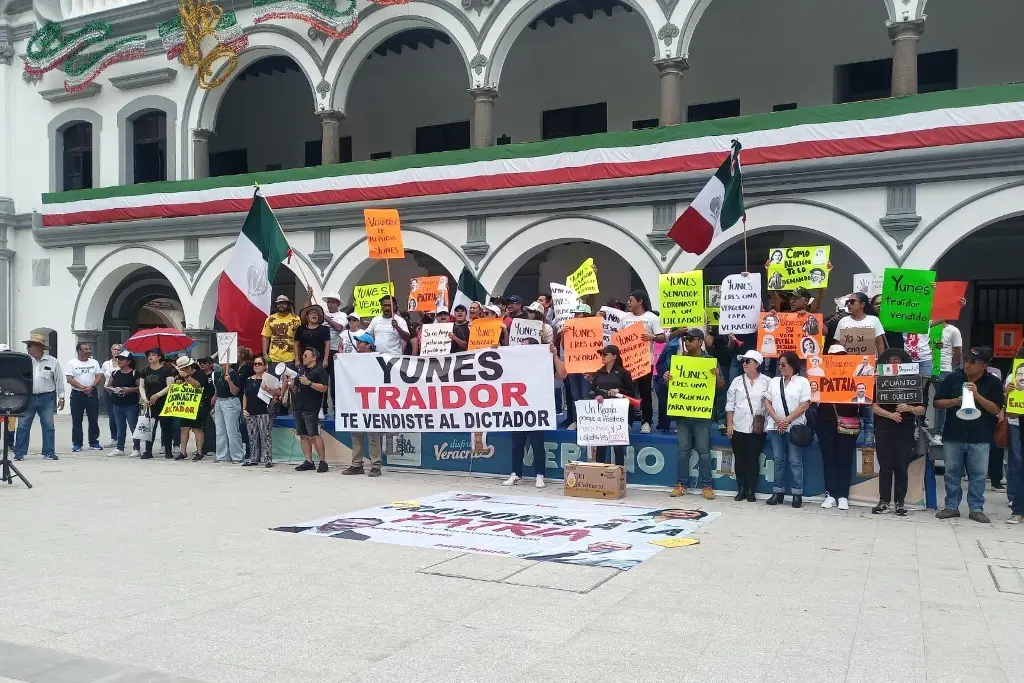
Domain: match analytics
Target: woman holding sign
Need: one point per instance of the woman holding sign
(894, 443)
(611, 381)
(535, 438)
(788, 398)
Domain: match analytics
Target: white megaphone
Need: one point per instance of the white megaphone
(968, 411)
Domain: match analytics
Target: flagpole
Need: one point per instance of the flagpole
(296, 271)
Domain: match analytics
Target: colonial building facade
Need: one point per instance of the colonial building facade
(516, 137)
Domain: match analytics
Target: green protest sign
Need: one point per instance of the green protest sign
(906, 303)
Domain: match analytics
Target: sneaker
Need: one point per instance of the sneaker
(115, 453)
(146, 456)
(75, 449)
(512, 480)
(305, 466)
(572, 427)
(180, 456)
(645, 428)
(708, 493)
(135, 453)
(352, 469)
(51, 456)
(1015, 519)
(901, 509)
(937, 440)
(946, 513)
(322, 467)
(881, 509)
(111, 444)
(269, 463)
(248, 463)
(979, 516)
(19, 458)
(539, 484)
(374, 472)
(844, 504)
(197, 457)
(828, 503)
(95, 446)
(998, 486)
(678, 490)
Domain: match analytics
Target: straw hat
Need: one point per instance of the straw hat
(37, 338)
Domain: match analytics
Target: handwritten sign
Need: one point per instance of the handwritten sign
(846, 379)
(908, 388)
(946, 301)
(1007, 339)
(906, 299)
(691, 391)
(182, 401)
(802, 334)
(584, 280)
(522, 330)
(564, 301)
(612, 322)
(1015, 399)
(436, 339)
(858, 340)
(682, 299)
(792, 267)
(869, 284)
(427, 294)
(582, 340)
(227, 347)
(740, 303)
(383, 233)
(712, 303)
(602, 424)
(366, 298)
(634, 351)
(484, 333)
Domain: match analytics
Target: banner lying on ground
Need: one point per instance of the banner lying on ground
(506, 389)
(563, 530)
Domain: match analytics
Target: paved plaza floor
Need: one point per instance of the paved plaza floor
(120, 570)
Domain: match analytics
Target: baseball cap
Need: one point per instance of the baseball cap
(353, 316)
(536, 307)
(801, 293)
(979, 353)
(836, 348)
(460, 306)
(694, 333)
(514, 299)
(441, 309)
(125, 353)
(753, 355)
(365, 337)
(583, 308)
(493, 309)
(332, 295)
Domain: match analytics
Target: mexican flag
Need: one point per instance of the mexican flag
(244, 290)
(717, 207)
(470, 290)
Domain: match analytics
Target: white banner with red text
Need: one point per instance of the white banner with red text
(508, 389)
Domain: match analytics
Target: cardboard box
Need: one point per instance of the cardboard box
(594, 480)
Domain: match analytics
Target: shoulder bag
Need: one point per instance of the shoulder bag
(799, 435)
(758, 424)
(846, 425)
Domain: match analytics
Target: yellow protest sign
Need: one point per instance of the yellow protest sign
(792, 267)
(366, 298)
(691, 392)
(682, 299)
(383, 233)
(1015, 400)
(584, 280)
(182, 401)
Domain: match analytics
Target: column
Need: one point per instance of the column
(330, 150)
(201, 152)
(483, 114)
(904, 36)
(6, 281)
(671, 70)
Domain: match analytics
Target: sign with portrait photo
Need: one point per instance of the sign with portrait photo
(792, 267)
(802, 334)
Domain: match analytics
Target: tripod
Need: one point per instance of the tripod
(7, 469)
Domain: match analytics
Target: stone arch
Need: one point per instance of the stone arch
(975, 213)
(508, 257)
(103, 279)
(381, 24)
(352, 263)
(201, 106)
(58, 124)
(797, 214)
(507, 24)
(127, 114)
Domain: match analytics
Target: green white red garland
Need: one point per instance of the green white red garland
(228, 33)
(49, 48)
(336, 24)
(82, 69)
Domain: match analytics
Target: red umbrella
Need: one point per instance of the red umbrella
(167, 339)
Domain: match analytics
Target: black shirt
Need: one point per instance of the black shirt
(244, 371)
(155, 380)
(222, 388)
(308, 399)
(888, 428)
(981, 429)
(462, 332)
(254, 405)
(124, 380)
(312, 338)
(604, 381)
(204, 383)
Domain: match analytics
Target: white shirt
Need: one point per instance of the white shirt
(798, 390)
(950, 338)
(385, 338)
(736, 401)
(109, 367)
(651, 322)
(868, 321)
(83, 371)
(917, 346)
(46, 376)
(347, 339)
(342, 319)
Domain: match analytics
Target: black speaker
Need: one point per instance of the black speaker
(15, 382)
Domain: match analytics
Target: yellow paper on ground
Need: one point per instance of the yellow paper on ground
(182, 401)
(584, 280)
(366, 298)
(682, 299)
(675, 542)
(691, 392)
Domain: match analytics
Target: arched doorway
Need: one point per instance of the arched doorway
(144, 299)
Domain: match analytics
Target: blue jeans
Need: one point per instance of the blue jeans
(694, 433)
(940, 415)
(785, 451)
(956, 455)
(42, 405)
(924, 367)
(1014, 465)
(229, 440)
(125, 419)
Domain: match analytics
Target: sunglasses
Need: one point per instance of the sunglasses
(749, 360)
(259, 363)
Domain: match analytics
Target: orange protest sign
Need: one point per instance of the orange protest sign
(634, 351)
(384, 233)
(484, 333)
(781, 332)
(842, 379)
(427, 294)
(1006, 340)
(582, 339)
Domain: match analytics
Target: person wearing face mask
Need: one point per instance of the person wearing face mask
(787, 401)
